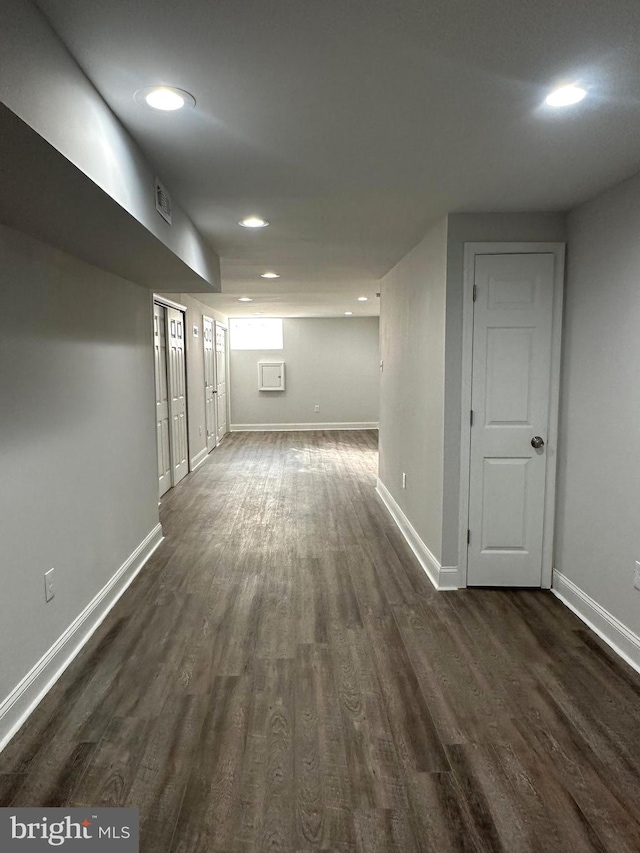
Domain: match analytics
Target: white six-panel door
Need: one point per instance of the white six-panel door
(221, 380)
(210, 390)
(510, 399)
(162, 399)
(177, 395)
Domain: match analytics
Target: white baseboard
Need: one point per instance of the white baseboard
(449, 578)
(198, 459)
(298, 427)
(442, 577)
(623, 641)
(24, 698)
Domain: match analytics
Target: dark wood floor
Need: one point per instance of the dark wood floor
(283, 677)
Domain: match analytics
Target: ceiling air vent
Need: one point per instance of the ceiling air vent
(163, 202)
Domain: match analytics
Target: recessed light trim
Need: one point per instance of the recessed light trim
(245, 299)
(269, 275)
(348, 313)
(565, 96)
(362, 298)
(253, 222)
(164, 98)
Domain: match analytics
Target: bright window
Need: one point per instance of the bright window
(259, 333)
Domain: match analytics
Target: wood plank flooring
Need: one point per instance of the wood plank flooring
(283, 677)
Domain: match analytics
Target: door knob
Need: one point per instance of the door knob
(537, 442)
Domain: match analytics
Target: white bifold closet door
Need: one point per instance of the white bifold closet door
(177, 395)
(171, 396)
(162, 399)
(221, 380)
(210, 390)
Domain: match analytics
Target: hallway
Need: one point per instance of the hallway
(282, 676)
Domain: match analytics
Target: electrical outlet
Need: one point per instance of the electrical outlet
(404, 480)
(316, 408)
(48, 585)
(200, 430)
(636, 576)
(381, 366)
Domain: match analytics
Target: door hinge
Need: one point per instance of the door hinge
(471, 418)
(468, 537)
(475, 292)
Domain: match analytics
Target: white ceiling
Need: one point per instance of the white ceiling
(351, 124)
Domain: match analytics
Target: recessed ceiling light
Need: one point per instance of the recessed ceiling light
(253, 222)
(269, 275)
(362, 298)
(259, 313)
(348, 313)
(565, 96)
(164, 98)
(245, 299)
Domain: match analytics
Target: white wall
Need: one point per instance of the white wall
(412, 340)
(330, 362)
(78, 484)
(598, 499)
(421, 340)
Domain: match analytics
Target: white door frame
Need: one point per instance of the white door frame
(470, 252)
(227, 402)
(227, 367)
(159, 362)
(169, 303)
(207, 319)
